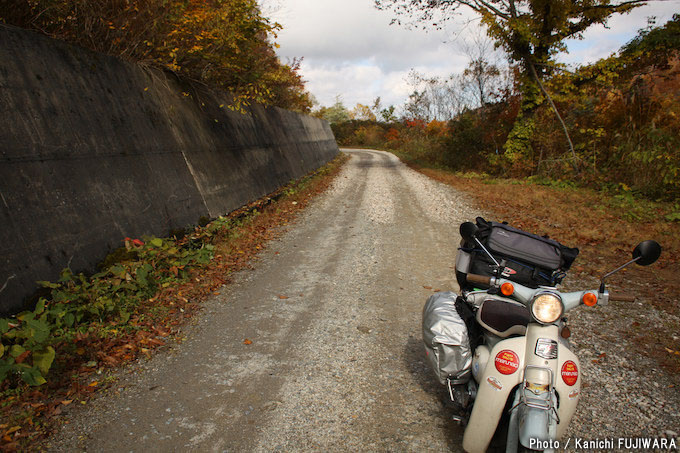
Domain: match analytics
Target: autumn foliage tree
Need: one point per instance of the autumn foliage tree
(625, 110)
(362, 112)
(531, 32)
(224, 43)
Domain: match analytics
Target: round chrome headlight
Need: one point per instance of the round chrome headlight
(547, 308)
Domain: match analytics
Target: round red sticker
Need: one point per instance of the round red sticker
(507, 362)
(569, 373)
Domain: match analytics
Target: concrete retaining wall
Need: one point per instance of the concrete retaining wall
(94, 149)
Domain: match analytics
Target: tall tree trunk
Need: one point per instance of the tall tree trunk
(518, 144)
(557, 113)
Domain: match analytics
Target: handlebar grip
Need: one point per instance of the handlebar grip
(622, 297)
(479, 279)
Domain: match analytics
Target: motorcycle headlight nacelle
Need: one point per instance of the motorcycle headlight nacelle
(547, 308)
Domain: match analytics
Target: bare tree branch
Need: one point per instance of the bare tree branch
(481, 4)
(557, 113)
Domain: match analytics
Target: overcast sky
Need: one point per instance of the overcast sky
(350, 48)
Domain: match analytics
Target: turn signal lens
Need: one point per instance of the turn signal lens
(547, 308)
(507, 289)
(589, 299)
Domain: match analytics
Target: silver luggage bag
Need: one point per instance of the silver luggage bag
(445, 335)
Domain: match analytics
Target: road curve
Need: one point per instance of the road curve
(336, 366)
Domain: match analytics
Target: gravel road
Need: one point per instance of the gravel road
(333, 310)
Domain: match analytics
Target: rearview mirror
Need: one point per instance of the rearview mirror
(468, 231)
(646, 252)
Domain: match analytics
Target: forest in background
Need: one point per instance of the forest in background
(622, 112)
(226, 44)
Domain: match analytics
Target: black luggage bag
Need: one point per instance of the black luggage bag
(525, 258)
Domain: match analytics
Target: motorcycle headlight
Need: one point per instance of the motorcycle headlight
(547, 308)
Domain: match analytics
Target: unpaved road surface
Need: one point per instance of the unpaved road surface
(335, 362)
(333, 312)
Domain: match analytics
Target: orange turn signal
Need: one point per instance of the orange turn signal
(507, 289)
(589, 299)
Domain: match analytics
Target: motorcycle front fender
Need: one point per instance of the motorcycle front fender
(505, 370)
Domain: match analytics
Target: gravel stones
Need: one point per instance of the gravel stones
(338, 364)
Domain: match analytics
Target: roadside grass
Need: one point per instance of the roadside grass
(605, 226)
(58, 354)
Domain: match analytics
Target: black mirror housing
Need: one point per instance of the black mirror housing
(468, 231)
(646, 252)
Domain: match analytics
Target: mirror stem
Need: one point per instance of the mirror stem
(487, 252)
(620, 267)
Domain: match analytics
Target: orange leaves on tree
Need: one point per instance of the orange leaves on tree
(437, 128)
(392, 135)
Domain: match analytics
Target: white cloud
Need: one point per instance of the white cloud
(350, 49)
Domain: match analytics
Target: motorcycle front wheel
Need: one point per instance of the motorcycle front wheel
(499, 441)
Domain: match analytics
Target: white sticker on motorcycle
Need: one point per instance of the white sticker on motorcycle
(546, 348)
(494, 383)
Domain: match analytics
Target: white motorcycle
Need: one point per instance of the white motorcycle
(501, 346)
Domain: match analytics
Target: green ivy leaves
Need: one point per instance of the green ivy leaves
(27, 347)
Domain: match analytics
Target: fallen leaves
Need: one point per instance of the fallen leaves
(600, 358)
(22, 357)
(155, 342)
(429, 288)
(12, 430)
(247, 341)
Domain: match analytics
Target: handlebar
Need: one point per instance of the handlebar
(479, 279)
(571, 300)
(622, 297)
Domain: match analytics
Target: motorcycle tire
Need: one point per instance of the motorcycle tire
(499, 440)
